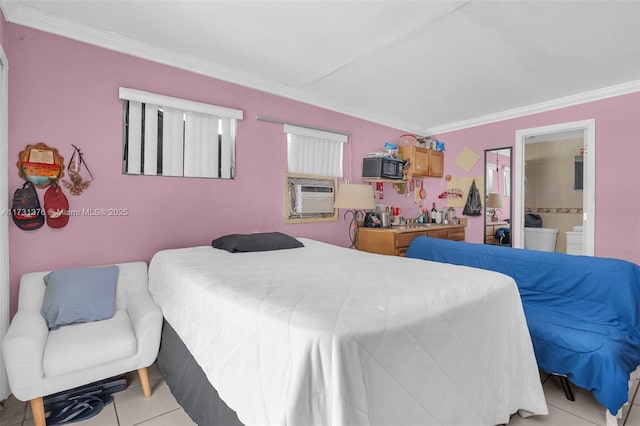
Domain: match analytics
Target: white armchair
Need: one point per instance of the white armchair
(40, 362)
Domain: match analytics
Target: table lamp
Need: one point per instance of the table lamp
(355, 198)
(494, 203)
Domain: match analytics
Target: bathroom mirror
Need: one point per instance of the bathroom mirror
(498, 196)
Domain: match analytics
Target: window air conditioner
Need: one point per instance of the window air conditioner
(314, 199)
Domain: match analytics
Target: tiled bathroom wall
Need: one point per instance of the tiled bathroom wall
(549, 185)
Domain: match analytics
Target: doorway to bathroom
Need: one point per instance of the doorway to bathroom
(555, 179)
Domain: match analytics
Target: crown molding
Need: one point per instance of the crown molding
(567, 101)
(21, 14)
(30, 17)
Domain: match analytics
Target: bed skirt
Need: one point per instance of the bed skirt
(189, 385)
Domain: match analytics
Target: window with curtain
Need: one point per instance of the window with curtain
(314, 152)
(507, 181)
(491, 181)
(165, 136)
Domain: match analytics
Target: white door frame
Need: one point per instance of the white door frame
(4, 218)
(588, 200)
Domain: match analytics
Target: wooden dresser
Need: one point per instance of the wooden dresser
(396, 239)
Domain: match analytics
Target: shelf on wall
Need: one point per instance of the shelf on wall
(374, 180)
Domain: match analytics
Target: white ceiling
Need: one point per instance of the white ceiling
(420, 66)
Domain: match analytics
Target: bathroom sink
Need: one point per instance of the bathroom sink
(415, 225)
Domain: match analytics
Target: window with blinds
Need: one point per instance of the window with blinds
(314, 152)
(165, 136)
(491, 178)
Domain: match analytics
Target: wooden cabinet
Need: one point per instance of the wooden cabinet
(422, 162)
(436, 163)
(490, 232)
(396, 240)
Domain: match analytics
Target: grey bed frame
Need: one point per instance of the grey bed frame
(189, 385)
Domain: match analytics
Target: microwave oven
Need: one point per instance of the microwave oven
(382, 167)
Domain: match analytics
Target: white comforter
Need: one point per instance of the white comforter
(324, 335)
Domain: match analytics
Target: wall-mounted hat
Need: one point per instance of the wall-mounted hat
(56, 207)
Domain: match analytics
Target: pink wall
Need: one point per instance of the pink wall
(64, 92)
(617, 156)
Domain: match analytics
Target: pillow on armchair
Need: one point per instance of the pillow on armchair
(79, 295)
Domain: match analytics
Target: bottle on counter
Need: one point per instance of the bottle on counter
(434, 213)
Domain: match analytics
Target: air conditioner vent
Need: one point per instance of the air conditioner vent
(314, 199)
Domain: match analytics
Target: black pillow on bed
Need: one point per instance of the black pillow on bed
(239, 243)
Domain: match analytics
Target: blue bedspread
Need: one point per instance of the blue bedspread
(583, 312)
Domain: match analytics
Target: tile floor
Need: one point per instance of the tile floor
(130, 407)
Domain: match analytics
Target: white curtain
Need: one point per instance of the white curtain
(4, 219)
(134, 152)
(490, 184)
(507, 181)
(150, 140)
(191, 135)
(200, 145)
(228, 149)
(314, 152)
(172, 144)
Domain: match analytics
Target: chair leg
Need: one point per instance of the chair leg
(566, 387)
(37, 408)
(144, 381)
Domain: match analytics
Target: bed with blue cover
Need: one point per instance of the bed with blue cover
(583, 312)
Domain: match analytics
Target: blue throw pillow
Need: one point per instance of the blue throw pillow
(79, 295)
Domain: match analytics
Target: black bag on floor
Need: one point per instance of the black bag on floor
(83, 402)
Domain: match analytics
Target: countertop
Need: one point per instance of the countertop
(415, 227)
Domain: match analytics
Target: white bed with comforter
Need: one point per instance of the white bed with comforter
(324, 335)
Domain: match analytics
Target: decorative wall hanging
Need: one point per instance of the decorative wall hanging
(467, 159)
(451, 193)
(40, 165)
(76, 184)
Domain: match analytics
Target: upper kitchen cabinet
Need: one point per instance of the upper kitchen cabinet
(422, 162)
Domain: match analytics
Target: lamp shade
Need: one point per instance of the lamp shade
(494, 201)
(355, 196)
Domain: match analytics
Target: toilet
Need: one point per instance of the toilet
(542, 239)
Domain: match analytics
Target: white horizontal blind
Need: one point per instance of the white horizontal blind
(314, 152)
(177, 103)
(195, 139)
